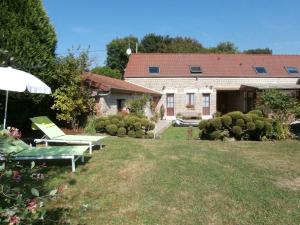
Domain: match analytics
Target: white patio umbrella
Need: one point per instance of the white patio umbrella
(20, 81)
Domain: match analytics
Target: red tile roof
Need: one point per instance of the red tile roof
(212, 65)
(105, 83)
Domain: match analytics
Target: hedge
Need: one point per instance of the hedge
(132, 126)
(250, 126)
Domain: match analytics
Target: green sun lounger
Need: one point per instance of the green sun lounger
(55, 135)
(22, 151)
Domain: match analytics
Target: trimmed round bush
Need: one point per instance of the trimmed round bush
(101, 124)
(121, 124)
(259, 124)
(144, 122)
(111, 129)
(268, 127)
(149, 135)
(216, 123)
(253, 117)
(236, 115)
(215, 135)
(251, 126)
(217, 114)
(129, 121)
(240, 122)
(237, 130)
(121, 132)
(131, 133)
(137, 126)
(227, 120)
(114, 121)
(150, 126)
(248, 118)
(203, 124)
(139, 134)
(256, 112)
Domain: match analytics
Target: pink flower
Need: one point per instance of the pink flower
(32, 206)
(14, 220)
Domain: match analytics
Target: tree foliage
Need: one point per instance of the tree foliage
(107, 71)
(116, 52)
(28, 40)
(259, 51)
(282, 105)
(72, 99)
(224, 47)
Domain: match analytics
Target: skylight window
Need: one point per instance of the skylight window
(260, 69)
(292, 70)
(195, 69)
(153, 69)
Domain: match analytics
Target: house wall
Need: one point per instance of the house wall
(107, 105)
(180, 86)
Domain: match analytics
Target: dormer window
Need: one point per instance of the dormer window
(195, 69)
(153, 69)
(292, 70)
(260, 69)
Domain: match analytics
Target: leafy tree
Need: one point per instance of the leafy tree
(185, 45)
(282, 105)
(152, 43)
(72, 100)
(224, 47)
(107, 71)
(28, 40)
(116, 52)
(259, 51)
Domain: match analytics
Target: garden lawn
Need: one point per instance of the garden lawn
(179, 181)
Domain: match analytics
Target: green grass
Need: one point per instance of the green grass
(179, 181)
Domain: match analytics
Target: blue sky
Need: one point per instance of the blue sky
(247, 23)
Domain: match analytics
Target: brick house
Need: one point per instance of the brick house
(202, 84)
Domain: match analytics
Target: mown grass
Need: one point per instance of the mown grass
(178, 181)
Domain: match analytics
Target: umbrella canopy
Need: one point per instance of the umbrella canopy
(20, 81)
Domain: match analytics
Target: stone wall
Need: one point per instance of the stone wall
(181, 86)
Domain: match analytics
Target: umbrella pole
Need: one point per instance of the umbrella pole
(5, 112)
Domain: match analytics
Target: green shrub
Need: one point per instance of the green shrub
(240, 122)
(215, 135)
(111, 129)
(139, 134)
(137, 126)
(144, 122)
(237, 131)
(248, 118)
(256, 112)
(129, 121)
(121, 132)
(101, 124)
(121, 123)
(216, 123)
(150, 126)
(268, 127)
(203, 124)
(227, 120)
(131, 133)
(115, 121)
(253, 117)
(90, 127)
(251, 126)
(236, 115)
(149, 135)
(217, 114)
(259, 124)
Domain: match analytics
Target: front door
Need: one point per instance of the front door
(120, 104)
(170, 104)
(206, 104)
